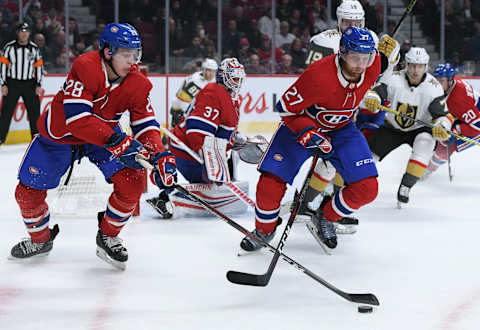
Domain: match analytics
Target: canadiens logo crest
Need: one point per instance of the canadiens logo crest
(278, 157)
(330, 119)
(33, 170)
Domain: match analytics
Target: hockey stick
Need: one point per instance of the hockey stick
(230, 185)
(408, 10)
(449, 163)
(460, 137)
(263, 279)
(359, 298)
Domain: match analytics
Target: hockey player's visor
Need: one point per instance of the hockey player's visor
(362, 60)
(134, 54)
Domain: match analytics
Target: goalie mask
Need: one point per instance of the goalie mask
(231, 74)
(350, 13)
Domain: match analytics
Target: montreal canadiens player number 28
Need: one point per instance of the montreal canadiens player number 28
(83, 122)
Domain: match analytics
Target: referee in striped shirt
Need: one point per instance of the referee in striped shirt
(21, 73)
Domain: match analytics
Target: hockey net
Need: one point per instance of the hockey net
(87, 191)
(85, 194)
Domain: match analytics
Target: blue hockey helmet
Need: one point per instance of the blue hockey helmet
(444, 70)
(358, 40)
(120, 35)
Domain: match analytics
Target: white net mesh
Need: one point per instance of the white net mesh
(85, 194)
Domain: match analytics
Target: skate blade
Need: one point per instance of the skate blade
(345, 229)
(243, 253)
(313, 230)
(399, 205)
(105, 257)
(37, 257)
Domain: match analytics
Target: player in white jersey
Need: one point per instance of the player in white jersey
(191, 86)
(417, 96)
(349, 13)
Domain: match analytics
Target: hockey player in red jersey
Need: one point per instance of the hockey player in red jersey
(463, 103)
(317, 112)
(83, 121)
(209, 129)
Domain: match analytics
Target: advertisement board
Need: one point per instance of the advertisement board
(257, 102)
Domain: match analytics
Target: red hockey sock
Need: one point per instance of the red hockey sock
(270, 191)
(127, 189)
(34, 211)
(351, 198)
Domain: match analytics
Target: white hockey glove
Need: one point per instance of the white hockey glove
(390, 48)
(214, 151)
(371, 101)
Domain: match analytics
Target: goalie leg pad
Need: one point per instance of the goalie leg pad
(270, 191)
(34, 211)
(215, 159)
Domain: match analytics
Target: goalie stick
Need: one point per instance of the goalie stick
(359, 298)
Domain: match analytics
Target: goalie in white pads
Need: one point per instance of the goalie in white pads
(204, 136)
(416, 95)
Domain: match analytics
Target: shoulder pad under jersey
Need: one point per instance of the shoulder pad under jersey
(323, 44)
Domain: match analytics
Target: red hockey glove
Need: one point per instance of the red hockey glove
(312, 140)
(125, 148)
(165, 173)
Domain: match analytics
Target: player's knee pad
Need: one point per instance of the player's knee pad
(270, 191)
(128, 185)
(360, 193)
(422, 149)
(31, 201)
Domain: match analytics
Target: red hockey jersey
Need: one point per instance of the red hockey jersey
(321, 97)
(464, 103)
(213, 113)
(88, 106)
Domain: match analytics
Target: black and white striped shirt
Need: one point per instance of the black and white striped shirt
(21, 62)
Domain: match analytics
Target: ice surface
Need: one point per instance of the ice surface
(421, 262)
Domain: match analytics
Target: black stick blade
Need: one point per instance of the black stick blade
(363, 298)
(247, 279)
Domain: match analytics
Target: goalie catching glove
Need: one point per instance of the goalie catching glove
(250, 150)
(313, 140)
(164, 174)
(125, 149)
(390, 48)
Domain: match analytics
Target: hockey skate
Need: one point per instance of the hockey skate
(162, 205)
(322, 230)
(250, 245)
(28, 249)
(111, 249)
(402, 195)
